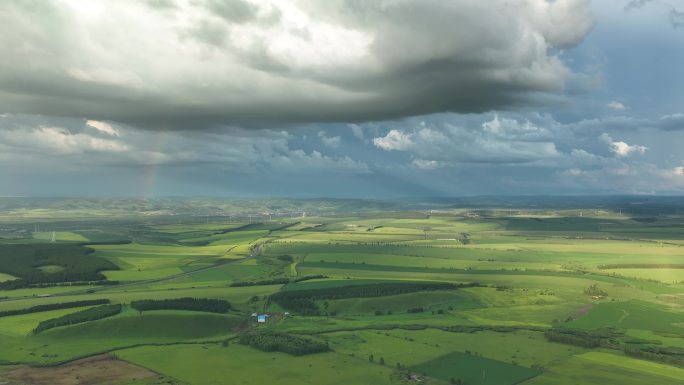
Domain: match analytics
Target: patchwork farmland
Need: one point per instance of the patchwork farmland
(405, 297)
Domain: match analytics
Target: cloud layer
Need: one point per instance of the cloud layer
(195, 63)
(437, 155)
(351, 98)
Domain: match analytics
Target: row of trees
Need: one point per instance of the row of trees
(642, 266)
(668, 355)
(302, 301)
(282, 342)
(276, 281)
(308, 277)
(584, 338)
(54, 306)
(38, 282)
(608, 338)
(195, 304)
(78, 317)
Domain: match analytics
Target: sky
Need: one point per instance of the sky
(341, 98)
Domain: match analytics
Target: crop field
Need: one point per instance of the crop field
(460, 297)
(212, 364)
(601, 368)
(634, 315)
(473, 369)
(60, 236)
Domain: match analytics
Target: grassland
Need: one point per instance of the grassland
(238, 364)
(533, 268)
(472, 369)
(601, 368)
(633, 315)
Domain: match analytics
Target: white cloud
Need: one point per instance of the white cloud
(573, 172)
(510, 152)
(243, 151)
(425, 164)
(394, 140)
(56, 140)
(622, 149)
(494, 141)
(615, 105)
(330, 141)
(357, 131)
(103, 127)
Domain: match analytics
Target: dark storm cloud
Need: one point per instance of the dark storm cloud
(194, 64)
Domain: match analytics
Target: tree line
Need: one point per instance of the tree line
(54, 306)
(668, 355)
(609, 338)
(585, 338)
(276, 281)
(282, 342)
(642, 266)
(78, 317)
(302, 301)
(195, 304)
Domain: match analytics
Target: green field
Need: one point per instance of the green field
(474, 370)
(157, 324)
(244, 365)
(635, 315)
(602, 281)
(601, 368)
(61, 236)
(400, 303)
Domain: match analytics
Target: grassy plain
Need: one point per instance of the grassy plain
(601, 368)
(533, 269)
(473, 369)
(236, 364)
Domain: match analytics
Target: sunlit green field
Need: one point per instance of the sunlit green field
(598, 368)
(60, 236)
(235, 364)
(534, 272)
